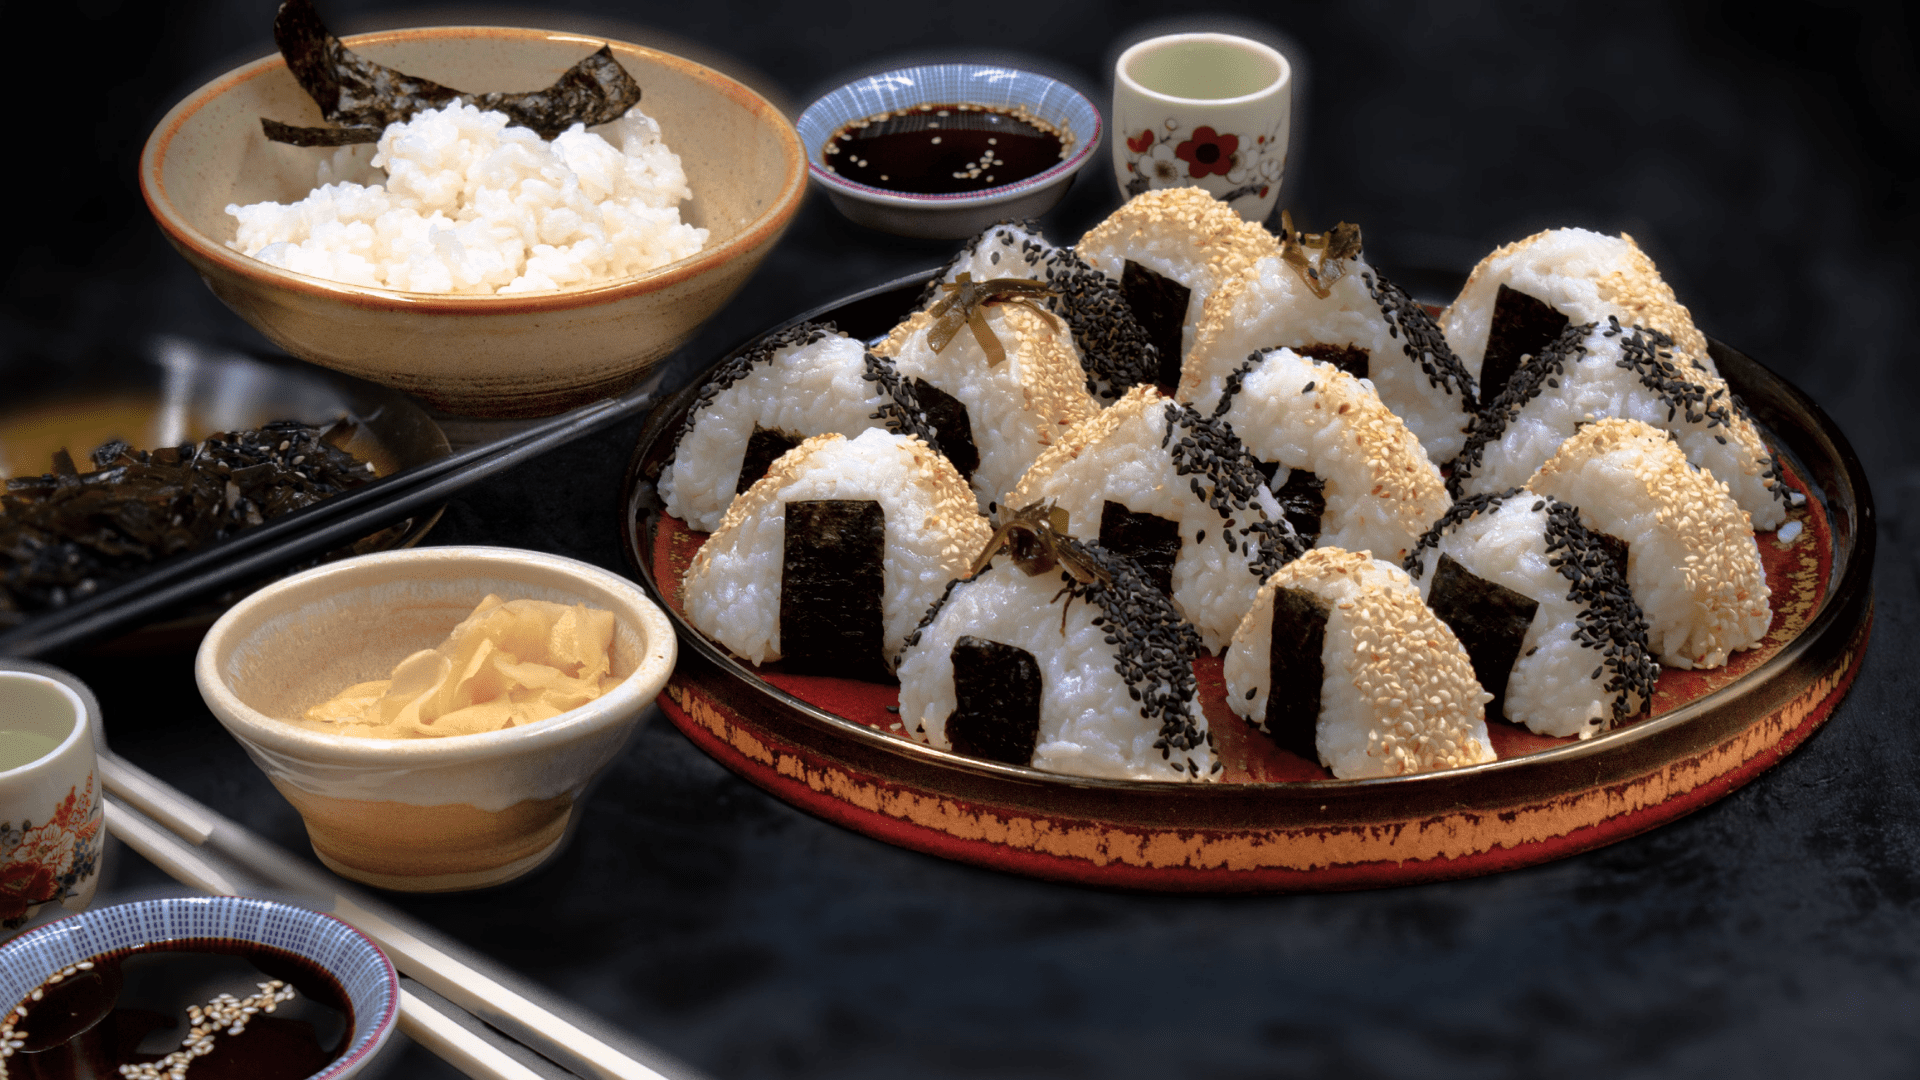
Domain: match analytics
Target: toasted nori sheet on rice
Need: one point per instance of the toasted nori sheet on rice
(1490, 620)
(363, 97)
(997, 689)
(1523, 325)
(1159, 304)
(831, 579)
(1296, 670)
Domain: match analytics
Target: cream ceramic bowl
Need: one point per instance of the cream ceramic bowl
(422, 815)
(525, 355)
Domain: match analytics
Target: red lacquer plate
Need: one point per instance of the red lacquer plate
(1277, 822)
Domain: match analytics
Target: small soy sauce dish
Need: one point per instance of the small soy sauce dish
(942, 151)
(158, 984)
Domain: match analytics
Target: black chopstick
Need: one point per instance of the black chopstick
(308, 531)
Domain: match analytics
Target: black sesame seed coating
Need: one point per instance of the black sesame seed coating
(1610, 620)
(1206, 447)
(1529, 381)
(900, 414)
(1420, 338)
(1114, 347)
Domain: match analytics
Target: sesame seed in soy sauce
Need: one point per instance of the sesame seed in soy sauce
(945, 149)
(203, 1008)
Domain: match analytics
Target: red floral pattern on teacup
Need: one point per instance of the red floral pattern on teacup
(44, 862)
(1208, 152)
(1139, 143)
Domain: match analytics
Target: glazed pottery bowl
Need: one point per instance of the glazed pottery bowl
(435, 814)
(529, 354)
(354, 961)
(949, 217)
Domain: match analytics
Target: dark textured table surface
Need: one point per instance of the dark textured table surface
(1767, 165)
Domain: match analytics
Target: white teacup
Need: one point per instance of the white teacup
(51, 827)
(1203, 110)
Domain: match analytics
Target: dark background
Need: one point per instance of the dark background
(1767, 164)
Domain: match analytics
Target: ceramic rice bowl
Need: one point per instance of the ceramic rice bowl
(422, 815)
(530, 354)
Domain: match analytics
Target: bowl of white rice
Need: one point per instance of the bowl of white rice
(467, 261)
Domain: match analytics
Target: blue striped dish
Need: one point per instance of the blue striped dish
(362, 969)
(955, 215)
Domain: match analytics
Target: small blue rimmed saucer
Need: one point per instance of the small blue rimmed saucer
(365, 975)
(950, 216)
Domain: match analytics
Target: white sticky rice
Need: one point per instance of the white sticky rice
(1398, 695)
(933, 533)
(472, 205)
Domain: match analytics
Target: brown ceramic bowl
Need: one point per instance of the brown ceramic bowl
(522, 355)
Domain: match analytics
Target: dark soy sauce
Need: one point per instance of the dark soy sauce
(944, 149)
(130, 1008)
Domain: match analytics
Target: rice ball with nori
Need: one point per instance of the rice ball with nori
(1543, 609)
(993, 417)
(1170, 249)
(1596, 370)
(1339, 660)
(1523, 295)
(1365, 325)
(1348, 472)
(801, 382)
(1113, 347)
(1692, 561)
(894, 524)
(1154, 480)
(1090, 678)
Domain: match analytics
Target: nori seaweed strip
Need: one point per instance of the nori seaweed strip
(1354, 361)
(764, 447)
(1610, 620)
(1296, 668)
(1490, 620)
(1148, 539)
(996, 714)
(1303, 500)
(1522, 325)
(1526, 384)
(1159, 304)
(361, 95)
(949, 421)
(902, 413)
(832, 578)
(1207, 447)
(1420, 338)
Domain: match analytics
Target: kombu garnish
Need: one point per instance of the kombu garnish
(362, 97)
(1319, 258)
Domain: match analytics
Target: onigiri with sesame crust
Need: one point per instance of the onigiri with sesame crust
(1154, 480)
(1365, 325)
(1089, 678)
(1543, 610)
(1596, 370)
(801, 382)
(1522, 295)
(1692, 561)
(1339, 660)
(1190, 242)
(741, 586)
(1113, 347)
(1348, 473)
(994, 418)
